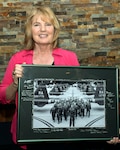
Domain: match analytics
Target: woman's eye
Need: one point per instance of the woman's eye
(36, 24)
(48, 24)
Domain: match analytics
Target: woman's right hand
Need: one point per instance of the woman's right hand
(12, 88)
(17, 73)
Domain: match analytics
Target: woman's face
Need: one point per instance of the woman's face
(42, 31)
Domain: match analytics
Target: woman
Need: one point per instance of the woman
(41, 34)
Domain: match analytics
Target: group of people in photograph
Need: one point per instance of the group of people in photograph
(71, 109)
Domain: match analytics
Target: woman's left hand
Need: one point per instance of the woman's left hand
(114, 140)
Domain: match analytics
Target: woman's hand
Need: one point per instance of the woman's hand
(17, 73)
(114, 140)
(13, 87)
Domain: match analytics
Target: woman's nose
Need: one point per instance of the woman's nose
(42, 28)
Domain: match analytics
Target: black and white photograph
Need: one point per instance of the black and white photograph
(59, 103)
(69, 103)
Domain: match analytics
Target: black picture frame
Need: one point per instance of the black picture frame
(43, 87)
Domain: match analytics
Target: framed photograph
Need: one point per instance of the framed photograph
(61, 103)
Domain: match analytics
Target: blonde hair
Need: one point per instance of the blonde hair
(46, 13)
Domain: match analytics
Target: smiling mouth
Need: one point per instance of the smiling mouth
(43, 35)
